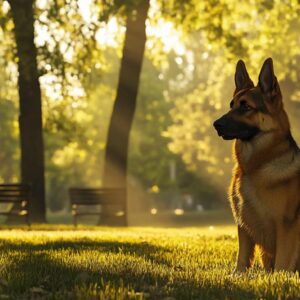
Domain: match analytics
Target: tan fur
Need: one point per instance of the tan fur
(265, 190)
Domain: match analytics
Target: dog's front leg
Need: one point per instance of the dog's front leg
(246, 251)
(287, 247)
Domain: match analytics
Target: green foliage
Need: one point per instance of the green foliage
(250, 31)
(150, 159)
(148, 147)
(187, 82)
(132, 263)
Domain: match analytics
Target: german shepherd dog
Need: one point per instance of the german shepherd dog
(265, 188)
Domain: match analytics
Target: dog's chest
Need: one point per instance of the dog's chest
(256, 212)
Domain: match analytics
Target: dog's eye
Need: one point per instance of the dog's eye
(244, 106)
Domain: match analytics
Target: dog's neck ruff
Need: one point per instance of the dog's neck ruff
(268, 157)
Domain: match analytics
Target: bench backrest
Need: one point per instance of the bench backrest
(15, 193)
(94, 196)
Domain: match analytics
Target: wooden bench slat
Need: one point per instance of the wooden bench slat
(14, 192)
(14, 213)
(95, 201)
(95, 189)
(14, 186)
(13, 201)
(14, 198)
(96, 196)
(19, 194)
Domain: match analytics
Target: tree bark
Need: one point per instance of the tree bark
(115, 167)
(30, 119)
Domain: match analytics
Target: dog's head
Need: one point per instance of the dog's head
(253, 110)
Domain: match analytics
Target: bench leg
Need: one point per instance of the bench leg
(27, 220)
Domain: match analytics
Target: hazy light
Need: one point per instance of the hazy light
(109, 34)
(199, 207)
(5, 7)
(205, 55)
(179, 60)
(85, 9)
(155, 189)
(178, 212)
(41, 4)
(120, 213)
(211, 227)
(165, 31)
(42, 35)
(153, 211)
(227, 160)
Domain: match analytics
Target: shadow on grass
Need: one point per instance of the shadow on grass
(43, 265)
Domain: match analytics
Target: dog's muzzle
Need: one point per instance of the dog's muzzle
(230, 129)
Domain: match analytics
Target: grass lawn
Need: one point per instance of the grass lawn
(57, 262)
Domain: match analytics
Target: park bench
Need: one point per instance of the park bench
(14, 200)
(107, 203)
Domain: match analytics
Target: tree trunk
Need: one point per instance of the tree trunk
(30, 120)
(115, 168)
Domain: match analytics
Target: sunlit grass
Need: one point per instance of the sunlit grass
(57, 262)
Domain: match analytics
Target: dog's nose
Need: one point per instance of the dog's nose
(218, 124)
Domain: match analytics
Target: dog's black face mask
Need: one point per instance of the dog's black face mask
(230, 129)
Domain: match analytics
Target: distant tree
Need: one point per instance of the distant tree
(116, 152)
(30, 120)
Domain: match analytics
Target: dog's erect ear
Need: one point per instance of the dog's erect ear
(267, 80)
(242, 79)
